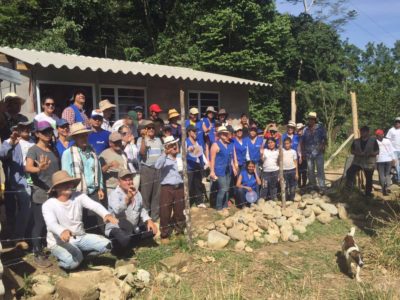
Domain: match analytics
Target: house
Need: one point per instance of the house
(124, 83)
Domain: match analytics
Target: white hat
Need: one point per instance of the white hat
(397, 119)
(312, 115)
(170, 140)
(291, 124)
(222, 129)
(211, 109)
(299, 126)
(13, 96)
(105, 104)
(194, 111)
(96, 113)
(237, 127)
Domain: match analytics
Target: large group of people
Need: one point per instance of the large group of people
(97, 185)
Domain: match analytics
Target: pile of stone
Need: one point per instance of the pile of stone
(268, 222)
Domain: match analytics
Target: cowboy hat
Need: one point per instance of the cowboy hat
(237, 128)
(194, 111)
(291, 124)
(312, 115)
(299, 126)
(211, 109)
(105, 104)
(170, 140)
(78, 128)
(172, 113)
(13, 96)
(60, 177)
(222, 129)
(222, 111)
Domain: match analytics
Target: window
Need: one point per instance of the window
(124, 98)
(202, 100)
(62, 93)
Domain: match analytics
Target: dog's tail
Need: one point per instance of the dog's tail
(352, 231)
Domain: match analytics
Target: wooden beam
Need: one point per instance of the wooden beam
(354, 113)
(281, 178)
(328, 162)
(293, 106)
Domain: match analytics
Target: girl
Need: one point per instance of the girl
(290, 172)
(49, 107)
(270, 159)
(247, 181)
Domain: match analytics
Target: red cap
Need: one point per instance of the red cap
(155, 107)
(379, 132)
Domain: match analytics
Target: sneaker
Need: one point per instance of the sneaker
(202, 205)
(42, 261)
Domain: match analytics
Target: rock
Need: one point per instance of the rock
(240, 245)
(310, 219)
(219, 223)
(307, 212)
(287, 212)
(257, 234)
(324, 217)
(180, 260)
(261, 202)
(342, 212)
(306, 196)
(316, 209)
(41, 278)
(299, 228)
(43, 288)
(293, 238)
(122, 271)
(96, 274)
(111, 290)
(330, 208)
(286, 232)
(281, 221)
(326, 199)
(293, 219)
(253, 226)
(236, 234)
(168, 279)
(248, 249)
(269, 211)
(249, 236)
(222, 229)
(194, 209)
(272, 239)
(229, 223)
(262, 223)
(201, 243)
(260, 240)
(130, 279)
(143, 276)
(224, 213)
(77, 288)
(297, 198)
(210, 226)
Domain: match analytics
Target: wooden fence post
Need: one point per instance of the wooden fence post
(354, 113)
(185, 174)
(281, 178)
(293, 106)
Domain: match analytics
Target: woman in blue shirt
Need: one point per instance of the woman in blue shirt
(291, 133)
(254, 146)
(240, 147)
(247, 181)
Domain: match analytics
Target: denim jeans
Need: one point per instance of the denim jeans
(270, 191)
(384, 173)
(290, 183)
(18, 205)
(312, 162)
(241, 197)
(223, 191)
(69, 255)
(397, 154)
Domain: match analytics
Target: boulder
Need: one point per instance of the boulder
(307, 212)
(122, 271)
(261, 202)
(260, 240)
(201, 243)
(111, 290)
(299, 228)
(293, 238)
(168, 280)
(310, 219)
(222, 229)
(229, 222)
(286, 232)
(306, 196)
(210, 226)
(262, 223)
(77, 289)
(302, 204)
(236, 234)
(180, 260)
(143, 276)
(281, 221)
(330, 208)
(257, 234)
(316, 209)
(96, 274)
(272, 239)
(342, 212)
(287, 212)
(240, 245)
(43, 288)
(324, 217)
(248, 249)
(249, 236)
(253, 226)
(297, 198)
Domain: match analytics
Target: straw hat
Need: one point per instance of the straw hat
(291, 124)
(194, 111)
(60, 177)
(222, 111)
(312, 115)
(172, 113)
(237, 128)
(211, 109)
(170, 140)
(222, 129)
(78, 128)
(105, 104)
(13, 96)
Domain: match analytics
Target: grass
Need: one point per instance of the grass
(369, 292)
(316, 229)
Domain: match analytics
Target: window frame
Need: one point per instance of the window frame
(38, 82)
(198, 92)
(116, 87)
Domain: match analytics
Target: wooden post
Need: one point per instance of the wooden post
(185, 174)
(293, 106)
(281, 179)
(354, 113)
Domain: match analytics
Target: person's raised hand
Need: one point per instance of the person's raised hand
(44, 162)
(14, 138)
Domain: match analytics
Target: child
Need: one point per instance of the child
(270, 160)
(290, 172)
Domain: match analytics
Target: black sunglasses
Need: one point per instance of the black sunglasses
(50, 104)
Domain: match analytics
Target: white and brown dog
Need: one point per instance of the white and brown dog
(352, 254)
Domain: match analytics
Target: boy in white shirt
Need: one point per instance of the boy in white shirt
(290, 172)
(62, 212)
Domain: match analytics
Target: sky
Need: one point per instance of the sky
(377, 21)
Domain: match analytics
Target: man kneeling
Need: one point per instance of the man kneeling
(135, 224)
(62, 213)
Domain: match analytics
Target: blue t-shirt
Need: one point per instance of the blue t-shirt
(249, 180)
(60, 148)
(295, 140)
(99, 140)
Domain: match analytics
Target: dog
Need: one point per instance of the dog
(352, 254)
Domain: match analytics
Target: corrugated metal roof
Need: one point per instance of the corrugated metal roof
(71, 61)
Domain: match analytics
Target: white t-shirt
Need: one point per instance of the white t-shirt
(270, 163)
(60, 216)
(52, 120)
(289, 156)
(386, 151)
(394, 136)
(25, 145)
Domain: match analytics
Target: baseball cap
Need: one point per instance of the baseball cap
(124, 172)
(155, 108)
(42, 125)
(397, 119)
(115, 137)
(379, 132)
(194, 111)
(96, 113)
(138, 108)
(61, 122)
